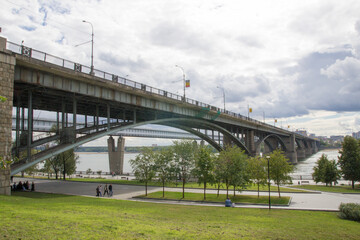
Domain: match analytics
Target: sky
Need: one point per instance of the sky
(295, 61)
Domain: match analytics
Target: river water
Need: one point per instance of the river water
(100, 161)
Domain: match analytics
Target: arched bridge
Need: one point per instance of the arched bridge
(105, 103)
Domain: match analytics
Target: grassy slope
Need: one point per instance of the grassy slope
(27, 215)
(222, 197)
(338, 189)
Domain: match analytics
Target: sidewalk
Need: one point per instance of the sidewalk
(299, 201)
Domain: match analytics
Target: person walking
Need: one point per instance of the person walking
(110, 190)
(106, 190)
(100, 191)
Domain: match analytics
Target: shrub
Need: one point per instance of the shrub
(350, 211)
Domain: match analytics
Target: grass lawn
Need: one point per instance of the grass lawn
(323, 188)
(28, 215)
(188, 185)
(251, 199)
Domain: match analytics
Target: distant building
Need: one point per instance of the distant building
(337, 138)
(356, 135)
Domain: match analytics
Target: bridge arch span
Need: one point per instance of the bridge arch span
(181, 123)
(266, 141)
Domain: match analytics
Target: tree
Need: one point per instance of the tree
(332, 173)
(184, 152)
(232, 167)
(326, 171)
(280, 168)
(204, 166)
(164, 166)
(349, 160)
(219, 172)
(144, 166)
(319, 170)
(68, 160)
(257, 171)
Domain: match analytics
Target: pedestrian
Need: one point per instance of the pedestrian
(227, 202)
(100, 191)
(97, 191)
(32, 186)
(106, 190)
(110, 190)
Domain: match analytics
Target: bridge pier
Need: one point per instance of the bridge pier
(7, 66)
(290, 148)
(300, 153)
(250, 142)
(116, 156)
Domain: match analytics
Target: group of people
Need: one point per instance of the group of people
(100, 192)
(23, 186)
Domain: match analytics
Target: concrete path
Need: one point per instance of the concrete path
(301, 201)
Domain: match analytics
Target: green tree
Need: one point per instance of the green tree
(326, 171)
(144, 166)
(219, 172)
(184, 152)
(232, 167)
(257, 171)
(164, 166)
(240, 177)
(67, 160)
(349, 160)
(319, 169)
(280, 168)
(204, 166)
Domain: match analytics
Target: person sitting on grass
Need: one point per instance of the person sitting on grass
(227, 202)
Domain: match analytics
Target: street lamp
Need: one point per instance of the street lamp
(268, 160)
(92, 48)
(223, 90)
(183, 79)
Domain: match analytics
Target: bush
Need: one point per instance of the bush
(350, 211)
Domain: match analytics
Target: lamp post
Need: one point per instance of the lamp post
(268, 160)
(223, 90)
(183, 79)
(92, 48)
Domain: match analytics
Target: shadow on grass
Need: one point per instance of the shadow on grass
(38, 195)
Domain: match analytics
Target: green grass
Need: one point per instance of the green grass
(179, 185)
(336, 189)
(27, 215)
(248, 199)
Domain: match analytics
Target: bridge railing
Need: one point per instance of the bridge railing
(42, 56)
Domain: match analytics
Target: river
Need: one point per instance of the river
(100, 161)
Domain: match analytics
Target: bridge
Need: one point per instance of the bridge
(106, 103)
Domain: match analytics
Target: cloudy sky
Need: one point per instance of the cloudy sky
(297, 61)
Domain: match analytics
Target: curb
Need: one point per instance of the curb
(220, 203)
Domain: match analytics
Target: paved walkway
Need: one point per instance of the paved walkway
(301, 201)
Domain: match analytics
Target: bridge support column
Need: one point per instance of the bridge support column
(116, 156)
(291, 150)
(308, 150)
(250, 142)
(314, 147)
(7, 64)
(300, 153)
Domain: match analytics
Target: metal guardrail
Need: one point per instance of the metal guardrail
(42, 56)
